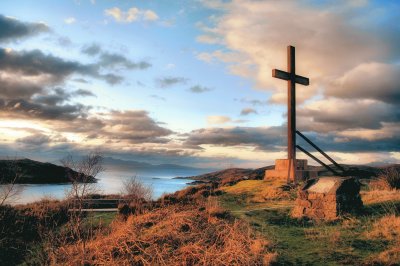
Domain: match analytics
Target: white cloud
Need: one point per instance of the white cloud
(131, 15)
(330, 40)
(218, 119)
(70, 20)
(150, 15)
(114, 12)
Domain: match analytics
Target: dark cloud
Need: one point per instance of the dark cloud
(12, 29)
(12, 87)
(83, 93)
(199, 89)
(112, 79)
(170, 81)
(81, 80)
(334, 115)
(113, 60)
(64, 41)
(45, 109)
(134, 127)
(332, 143)
(118, 60)
(35, 140)
(376, 81)
(43, 103)
(58, 96)
(262, 138)
(274, 139)
(90, 126)
(36, 63)
(247, 111)
(92, 49)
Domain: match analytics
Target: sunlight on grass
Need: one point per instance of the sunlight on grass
(307, 242)
(260, 191)
(391, 233)
(377, 196)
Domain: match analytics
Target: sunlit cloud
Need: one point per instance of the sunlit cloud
(131, 15)
(218, 119)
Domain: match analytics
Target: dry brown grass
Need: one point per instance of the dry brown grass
(378, 196)
(387, 228)
(260, 190)
(175, 235)
(193, 193)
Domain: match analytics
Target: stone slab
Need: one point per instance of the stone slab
(324, 185)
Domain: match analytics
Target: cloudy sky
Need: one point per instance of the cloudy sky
(189, 82)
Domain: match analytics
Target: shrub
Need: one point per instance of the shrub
(390, 177)
(23, 225)
(137, 197)
(134, 189)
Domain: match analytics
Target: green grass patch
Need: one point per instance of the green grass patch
(304, 242)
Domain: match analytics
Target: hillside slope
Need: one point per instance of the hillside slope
(34, 172)
(234, 175)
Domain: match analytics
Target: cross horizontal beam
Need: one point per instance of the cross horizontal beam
(276, 73)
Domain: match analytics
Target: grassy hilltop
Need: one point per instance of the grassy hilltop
(26, 171)
(232, 219)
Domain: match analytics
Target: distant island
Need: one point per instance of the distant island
(34, 172)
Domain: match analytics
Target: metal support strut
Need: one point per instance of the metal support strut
(323, 153)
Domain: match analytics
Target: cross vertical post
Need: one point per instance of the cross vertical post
(291, 112)
(291, 78)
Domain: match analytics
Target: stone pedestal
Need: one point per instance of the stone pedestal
(282, 170)
(327, 198)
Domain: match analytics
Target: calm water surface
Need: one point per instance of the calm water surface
(108, 183)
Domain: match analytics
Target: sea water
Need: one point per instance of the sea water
(110, 182)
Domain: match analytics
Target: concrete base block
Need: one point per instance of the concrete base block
(281, 170)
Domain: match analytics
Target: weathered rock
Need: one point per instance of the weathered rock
(327, 198)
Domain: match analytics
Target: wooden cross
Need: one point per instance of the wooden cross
(292, 79)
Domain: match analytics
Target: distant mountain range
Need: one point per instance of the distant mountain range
(141, 167)
(34, 172)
